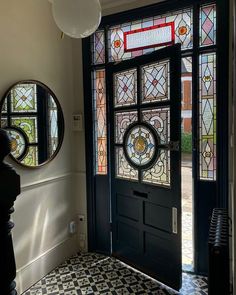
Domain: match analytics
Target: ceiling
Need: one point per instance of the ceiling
(114, 3)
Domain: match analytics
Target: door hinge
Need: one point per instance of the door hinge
(174, 220)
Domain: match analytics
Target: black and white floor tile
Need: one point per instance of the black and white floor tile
(96, 274)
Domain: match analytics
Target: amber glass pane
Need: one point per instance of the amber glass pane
(100, 122)
(207, 119)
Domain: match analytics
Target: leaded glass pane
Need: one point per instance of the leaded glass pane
(99, 47)
(3, 122)
(125, 92)
(100, 125)
(53, 125)
(159, 174)
(140, 145)
(122, 122)
(155, 82)
(123, 168)
(207, 120)
(24, 98)
(4, 107)
(18, 143)
(207, 27)
(31, 158)
(160, 121)
(183, 22)
(28, 125)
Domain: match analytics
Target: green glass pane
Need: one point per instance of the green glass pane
(31, 158)
(28, 125)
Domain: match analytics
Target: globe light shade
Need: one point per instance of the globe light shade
(77, 18)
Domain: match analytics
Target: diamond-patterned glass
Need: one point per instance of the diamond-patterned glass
(207, 119)
(155, 82)
(99, 47)
(53, 125)
(100, 124)
(125, 91)
(207, 25)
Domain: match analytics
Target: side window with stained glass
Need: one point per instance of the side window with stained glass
(207, 25)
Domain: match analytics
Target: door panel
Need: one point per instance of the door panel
(145, 101)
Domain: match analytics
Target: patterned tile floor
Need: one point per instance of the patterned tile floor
(96, 274)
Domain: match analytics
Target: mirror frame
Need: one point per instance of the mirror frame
(61, 122)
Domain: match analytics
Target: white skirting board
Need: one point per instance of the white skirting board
(31, 273)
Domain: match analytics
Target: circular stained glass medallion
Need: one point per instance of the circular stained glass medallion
(140, 145)
(18, 142)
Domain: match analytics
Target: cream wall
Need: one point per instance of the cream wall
(31, 48)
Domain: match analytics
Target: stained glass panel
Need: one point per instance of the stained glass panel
(207, 120)
(4, 107)
(3, 122)
(207, 27)
(53, 125)
(28, 125)
(122, 122)
(18, 143)
(183, 22)
(155, 82)
(24, 98)
(123, 168)
(140, 145)
(159, 174)
(160, 121)
(99, 47)
(100, 124)
(31, 159)
(125, 92)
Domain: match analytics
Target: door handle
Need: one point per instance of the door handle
(140, 194)
(174, 220)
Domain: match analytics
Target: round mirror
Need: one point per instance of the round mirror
(32, 115)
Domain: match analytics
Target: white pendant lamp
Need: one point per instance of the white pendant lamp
(77, 18)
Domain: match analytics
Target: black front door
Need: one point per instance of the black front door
(145, 125)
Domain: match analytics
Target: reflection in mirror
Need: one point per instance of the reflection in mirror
(32, 115)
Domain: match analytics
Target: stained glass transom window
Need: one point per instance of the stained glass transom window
(99, 47)
(24, 98)
(155, 82)
(207, 25)
(207, 110)
(140, 145)
(4, 107)
(125, 84)
(122, 122)
(3, 122)
(183, 23)
(123, 168)
(159, 174)
(100, 124)
(160, 121)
